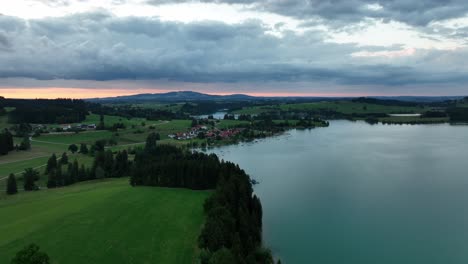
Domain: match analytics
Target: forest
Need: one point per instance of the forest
(45, 111)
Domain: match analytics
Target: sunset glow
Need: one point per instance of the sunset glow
(82, 93)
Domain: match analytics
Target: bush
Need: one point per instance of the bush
(31, 255)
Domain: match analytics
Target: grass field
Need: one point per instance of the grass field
(110, 120)
(345, 107)
(87, 137)
(105, 222)
(43, 146)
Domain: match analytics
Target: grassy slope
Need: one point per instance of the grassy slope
(106, 222)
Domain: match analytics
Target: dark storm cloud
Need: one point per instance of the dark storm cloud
(99, 46)
(4, 42)
(418, 13)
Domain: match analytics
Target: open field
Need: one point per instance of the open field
(104, 222)
(345, 107)
(87, 137)
(110, 120)
(44, 146)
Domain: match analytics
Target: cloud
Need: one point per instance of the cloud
(55, 2)
(4, 42)
(419, 13)
(99, 46)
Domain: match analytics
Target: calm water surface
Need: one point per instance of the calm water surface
(217, 115)
(356, 193)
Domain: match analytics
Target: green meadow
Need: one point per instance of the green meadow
(104, 222)
(42, 147)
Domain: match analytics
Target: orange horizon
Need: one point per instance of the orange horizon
(86, 93)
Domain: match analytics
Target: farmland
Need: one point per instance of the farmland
(104, 222)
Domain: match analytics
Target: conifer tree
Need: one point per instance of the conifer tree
(51, 164)
(30, 176)
(64, 158)
(11, 185)
(52, 179)
(84, 149)
(150, 145)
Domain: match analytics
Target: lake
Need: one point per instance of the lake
(359, 193)
(216, 115)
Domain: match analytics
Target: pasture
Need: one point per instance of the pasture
(104, 222)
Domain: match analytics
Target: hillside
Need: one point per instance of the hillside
(105, 222)
(173, 97)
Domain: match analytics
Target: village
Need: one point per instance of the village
(203, 132)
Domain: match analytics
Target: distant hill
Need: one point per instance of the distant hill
(174, 97)
(183, 96)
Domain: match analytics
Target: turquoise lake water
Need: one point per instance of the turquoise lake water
(354, 193)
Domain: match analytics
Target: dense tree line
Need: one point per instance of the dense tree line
(387, 102)
(458, 114)
(61, 173)
(170, 166)
(46, 111)
(233, 229)
(130, 111)
(434, 114)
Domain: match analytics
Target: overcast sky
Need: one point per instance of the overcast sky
(87, 48)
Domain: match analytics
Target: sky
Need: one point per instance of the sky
(99, 48)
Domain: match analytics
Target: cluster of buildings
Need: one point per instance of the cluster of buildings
(192, 133)
(79, 126)
(208, 133)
